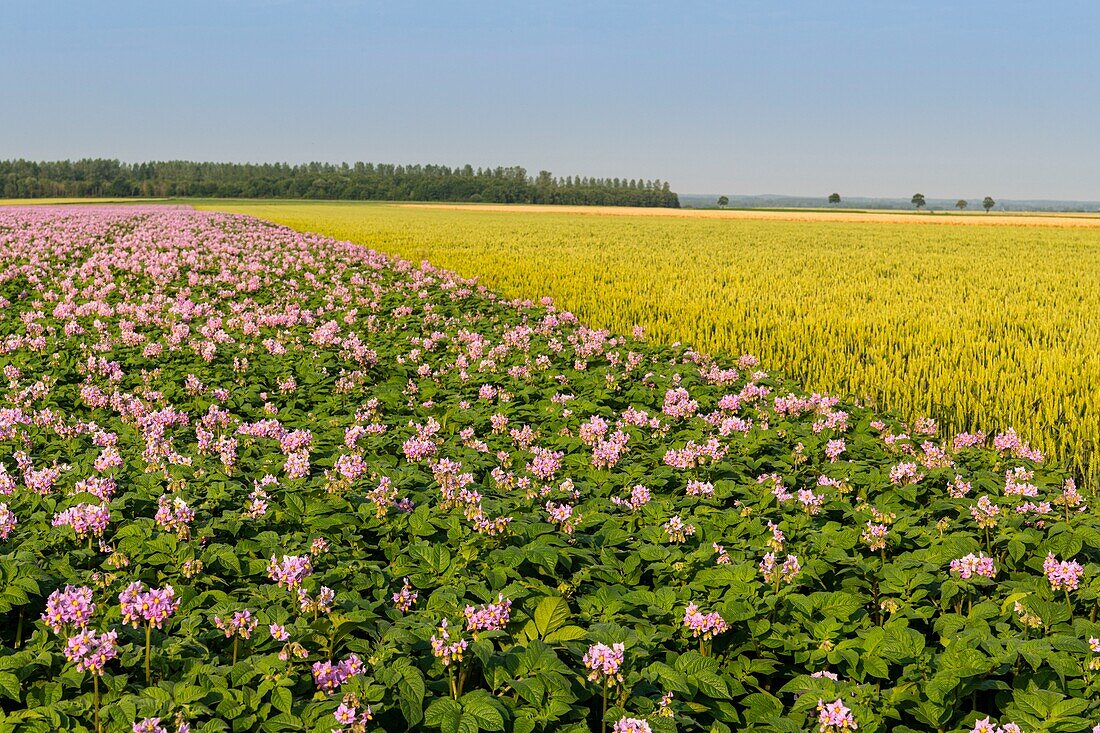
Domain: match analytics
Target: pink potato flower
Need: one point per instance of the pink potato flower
(604, 662)
(153, 606)
(71, 606)
(91, 651)
(1062, 575)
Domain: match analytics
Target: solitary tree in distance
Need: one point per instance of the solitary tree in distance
(988, 203)
(723, 201)
(834, 198)
(960, 204)
(918, 200)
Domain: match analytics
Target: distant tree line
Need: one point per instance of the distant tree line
(358, 181)
(918, 200)
(987, 203)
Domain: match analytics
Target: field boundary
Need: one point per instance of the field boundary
(1023, 219)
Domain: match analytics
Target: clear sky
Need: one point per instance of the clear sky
(868, 98)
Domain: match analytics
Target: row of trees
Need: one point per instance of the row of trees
(359, 181)
(919, 201)
(987, 203)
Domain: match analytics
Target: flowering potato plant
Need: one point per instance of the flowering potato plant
(258, 480)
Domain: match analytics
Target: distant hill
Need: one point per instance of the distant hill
(779, 201)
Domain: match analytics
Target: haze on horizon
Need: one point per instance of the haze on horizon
(800, 98)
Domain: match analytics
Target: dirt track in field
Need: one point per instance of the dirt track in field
(1090, 221)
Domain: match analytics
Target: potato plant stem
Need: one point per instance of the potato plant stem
(148, 651)
(603, 714)
(95, 702)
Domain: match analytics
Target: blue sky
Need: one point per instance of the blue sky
(864, 98)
